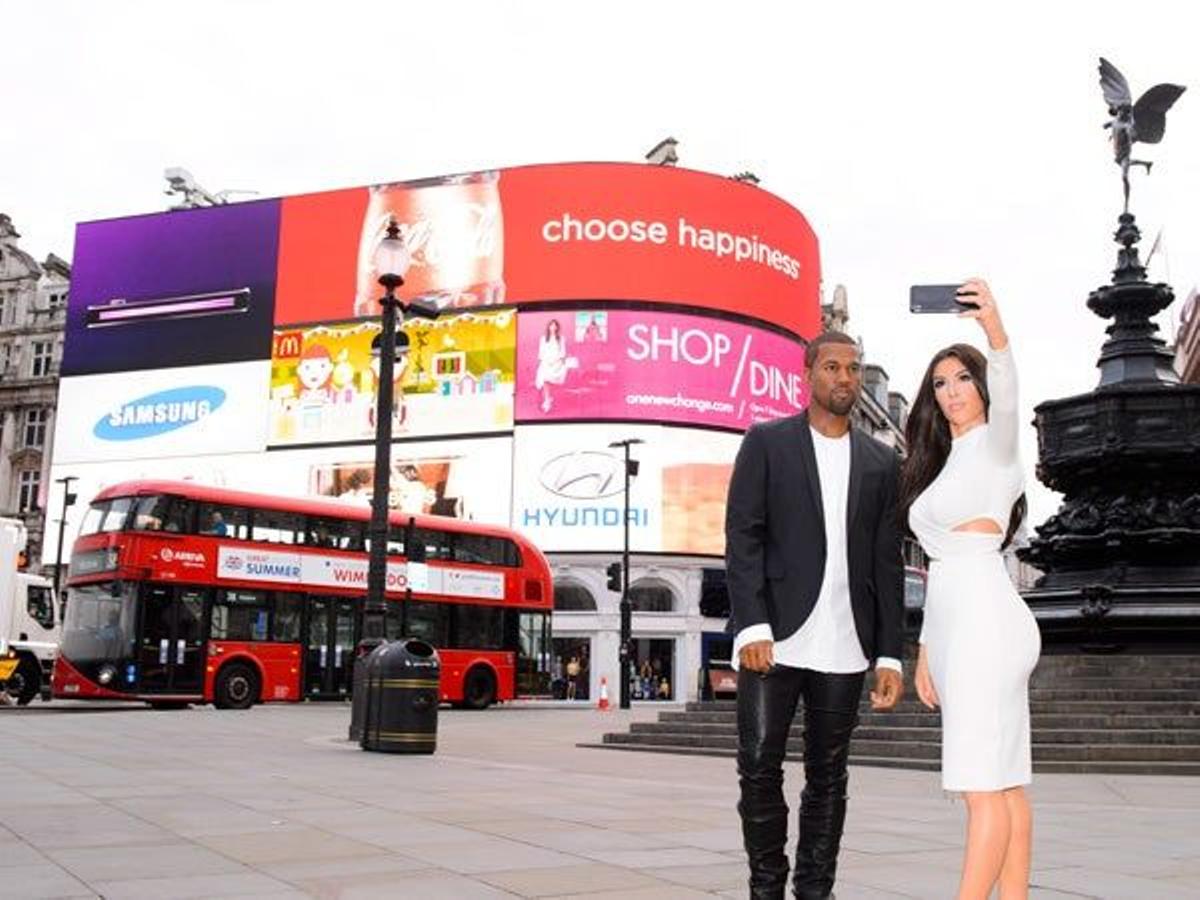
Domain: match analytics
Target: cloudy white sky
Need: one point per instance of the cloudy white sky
(924, 141)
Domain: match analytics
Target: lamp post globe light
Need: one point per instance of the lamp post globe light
(391, 260)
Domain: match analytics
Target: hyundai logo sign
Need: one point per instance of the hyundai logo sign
(159, 413)
(584, 475)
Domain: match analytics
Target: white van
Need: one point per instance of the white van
(30, 623)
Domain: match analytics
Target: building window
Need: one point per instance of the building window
(573, 598)
(5, 357)
(651, 598)
(35, 427)
(43, 355)
(27, 493)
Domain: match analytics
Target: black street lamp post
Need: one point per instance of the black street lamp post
(391, 261)
(68, 501)
(631, 470)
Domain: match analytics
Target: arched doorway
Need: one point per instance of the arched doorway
(653, 657)
(571, 656)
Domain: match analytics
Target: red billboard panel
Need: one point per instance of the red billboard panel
(588, 231)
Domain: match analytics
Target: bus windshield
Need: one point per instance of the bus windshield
(98, 626)
(106, 515)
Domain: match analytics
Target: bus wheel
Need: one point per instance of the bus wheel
(479, 688)
(236, 688)
(26, 682)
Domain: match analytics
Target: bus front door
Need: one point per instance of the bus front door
(329, 650)
(171, 651)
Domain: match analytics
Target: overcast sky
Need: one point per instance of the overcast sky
(924, 142)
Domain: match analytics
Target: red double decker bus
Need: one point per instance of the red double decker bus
(181, 593)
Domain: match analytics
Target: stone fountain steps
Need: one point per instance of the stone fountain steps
(1088, 714)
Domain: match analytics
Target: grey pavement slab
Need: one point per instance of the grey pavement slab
(92, 864)
(274, 802)
(42, 880)
(199, 887)
(289, 843)
(568, 879)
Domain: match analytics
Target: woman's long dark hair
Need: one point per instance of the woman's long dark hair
(928, 436)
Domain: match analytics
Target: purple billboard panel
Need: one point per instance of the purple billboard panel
(191, 287)
(656, 367)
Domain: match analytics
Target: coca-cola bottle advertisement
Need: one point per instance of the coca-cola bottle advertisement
(454, 229)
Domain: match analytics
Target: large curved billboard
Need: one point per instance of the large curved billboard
(208, 286)
(571, 297)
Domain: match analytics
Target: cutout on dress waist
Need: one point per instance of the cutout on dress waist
(984, 525)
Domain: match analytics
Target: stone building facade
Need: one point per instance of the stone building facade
(33, 308)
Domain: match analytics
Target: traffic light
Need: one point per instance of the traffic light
(614, 577)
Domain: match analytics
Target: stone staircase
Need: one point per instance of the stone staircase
(1102, 714)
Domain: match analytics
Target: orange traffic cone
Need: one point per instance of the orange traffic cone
(602, 705)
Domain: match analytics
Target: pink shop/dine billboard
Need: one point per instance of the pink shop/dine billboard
(659, 367)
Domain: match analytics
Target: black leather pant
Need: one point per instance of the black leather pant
(766, 707)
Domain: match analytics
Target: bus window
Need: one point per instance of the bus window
(240, 616)
(428, 621)
(286, 625)
(478, 627)
(107, 515)
(395, 542)
(276, 527)
(436, 543)
(335, 534)
(159, 513)
(224, 521)
(486, 550)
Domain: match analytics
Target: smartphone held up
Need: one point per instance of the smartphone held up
(939, 298)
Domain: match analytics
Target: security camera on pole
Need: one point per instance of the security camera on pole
(618, 577)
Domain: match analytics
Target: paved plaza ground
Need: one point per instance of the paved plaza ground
(274, 802)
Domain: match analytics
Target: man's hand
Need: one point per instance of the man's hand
(757, 657)
(889, 688)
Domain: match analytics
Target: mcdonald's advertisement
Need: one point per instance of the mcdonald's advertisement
(455, 377)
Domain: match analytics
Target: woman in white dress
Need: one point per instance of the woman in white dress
(962, 496)
(552, 362)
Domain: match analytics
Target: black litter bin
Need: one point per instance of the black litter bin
(403, 687)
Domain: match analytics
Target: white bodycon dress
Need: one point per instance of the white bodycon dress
(981, 639)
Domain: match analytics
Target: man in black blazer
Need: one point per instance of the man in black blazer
(816, 584)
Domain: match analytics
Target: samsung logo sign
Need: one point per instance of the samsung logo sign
(159, 413)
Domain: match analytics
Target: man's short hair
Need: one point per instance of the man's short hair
(826, 337)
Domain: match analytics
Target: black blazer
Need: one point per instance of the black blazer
(775, 535)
